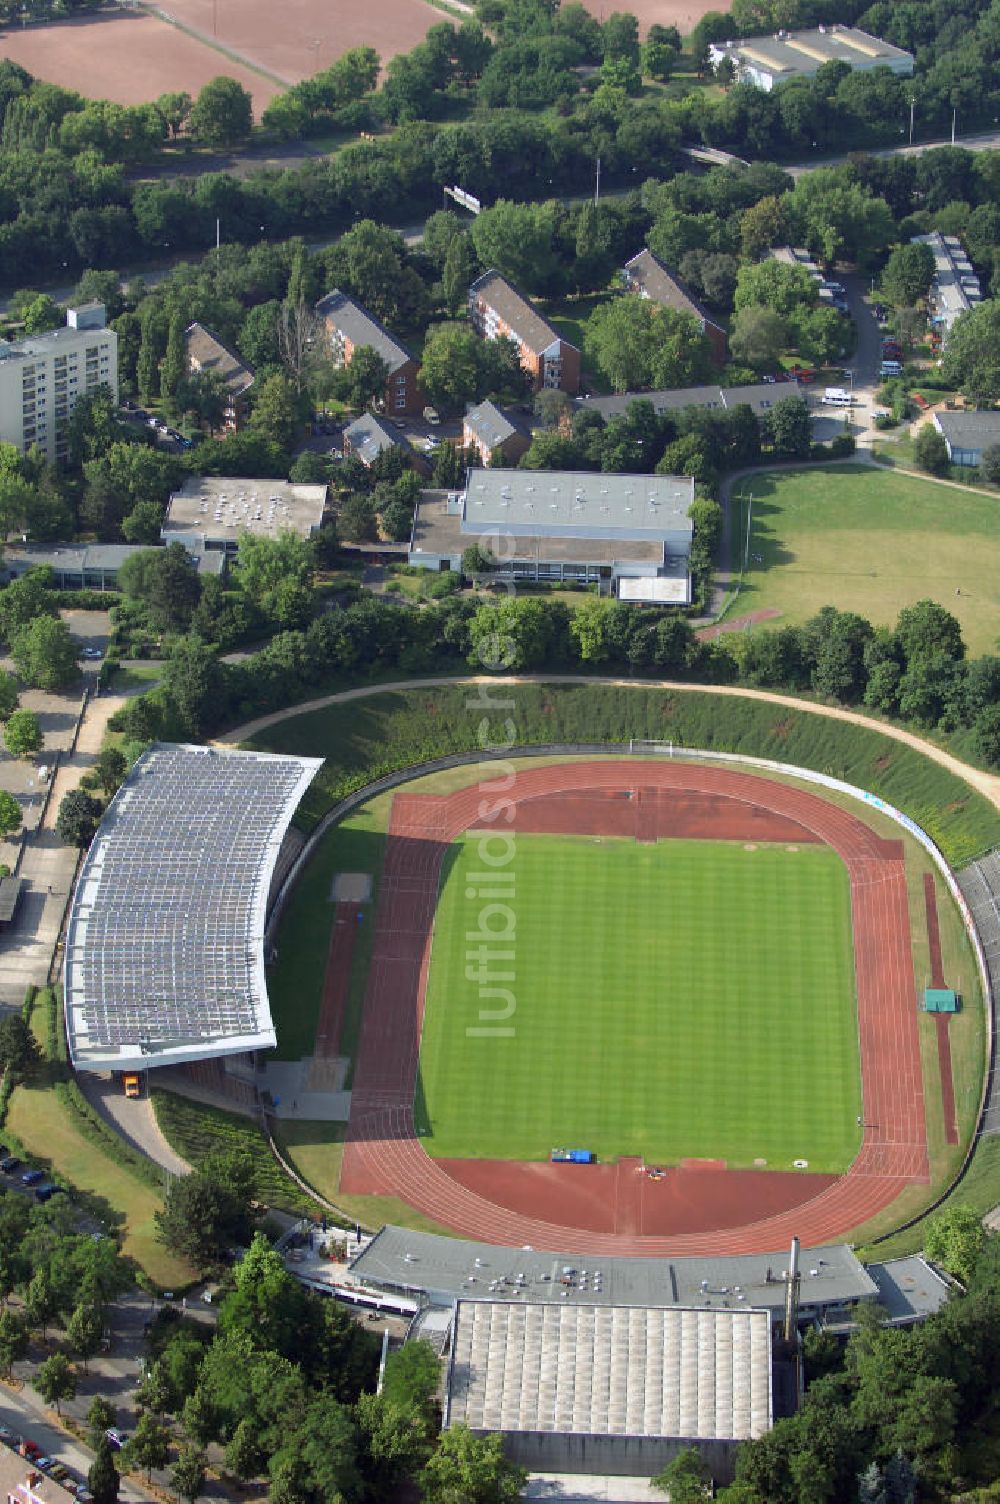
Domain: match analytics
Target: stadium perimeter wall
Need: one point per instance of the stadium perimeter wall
(689, 754)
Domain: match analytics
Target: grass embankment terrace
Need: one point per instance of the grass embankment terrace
(867, 541)
(196, 1131)
(652, 984)
(393, 730)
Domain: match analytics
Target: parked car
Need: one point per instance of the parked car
(8, 1437)
(92, 653)
(398, 422)
(32, 1177)
(59, 1472)
(48, 1190)
(116, 1438)
(30, 1448)
(45, 1463)
(431, 415)
(9, 1165)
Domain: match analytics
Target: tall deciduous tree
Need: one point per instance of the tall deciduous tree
(222, 114)
(23, 734)
(469, 1469)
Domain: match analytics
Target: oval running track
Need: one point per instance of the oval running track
(383, 1155)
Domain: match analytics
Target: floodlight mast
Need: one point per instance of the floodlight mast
(792, 1294)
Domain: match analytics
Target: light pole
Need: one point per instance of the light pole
(913, 101)
(954, 118)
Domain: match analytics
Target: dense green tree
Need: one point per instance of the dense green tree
(758, 336)
(10, 813)
(685, 1478)
(787, 290)
(517, 634)
(174, 366)
(56, 1381)
(634, 343)
(21, 602)
(788, 429)
(955, 1239)
(927, 630)
(188, 1475)
(84, 1331)
(100, 1418)
(457, 272)
(166, 581)
(103, 1480)
(971, 359)
(45, 654)
(222, 115)
(13, 1340)
(208, 1211)
(8, 694)
(143, 523)
(22, 734)
(245, 1457)
(19, 1049)
(450, 370)
(468, 1469)
(275, 412)
(364, 381)
(907, 275)
(149, 1445)
(930, 450)
(192, 681)
(275, 574)
(78, 818)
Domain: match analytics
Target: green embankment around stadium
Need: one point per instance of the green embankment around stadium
(659, 989)
(390, 730)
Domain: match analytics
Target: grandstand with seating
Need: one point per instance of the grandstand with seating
(165, 942)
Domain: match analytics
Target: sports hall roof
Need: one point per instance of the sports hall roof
(165, 944)
(620, 1371)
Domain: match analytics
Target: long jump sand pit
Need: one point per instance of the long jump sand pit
(130, 58)
(311, 34)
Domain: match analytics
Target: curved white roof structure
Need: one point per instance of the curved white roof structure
(165, 944)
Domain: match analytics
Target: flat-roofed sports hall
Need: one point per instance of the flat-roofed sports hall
(707, 978)
(165, 943)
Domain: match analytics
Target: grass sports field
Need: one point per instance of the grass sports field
(869, 541)
(681, 999)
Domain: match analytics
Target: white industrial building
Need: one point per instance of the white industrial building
(771, 60)
(43, 376)
(563, 525)
(164, 959)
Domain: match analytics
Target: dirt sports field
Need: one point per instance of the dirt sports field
(131, 57)
(696, 1207)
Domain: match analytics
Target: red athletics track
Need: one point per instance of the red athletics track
(382, 1155)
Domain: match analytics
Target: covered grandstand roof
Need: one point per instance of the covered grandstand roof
(165, 944)
(625, 1371)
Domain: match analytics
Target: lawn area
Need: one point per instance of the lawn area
(295, 985)
(871, 542)
(643, 1024)
(568, 317)
(316, 1151)
(50, 1134)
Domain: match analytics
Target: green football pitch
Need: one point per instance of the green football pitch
(677, 999)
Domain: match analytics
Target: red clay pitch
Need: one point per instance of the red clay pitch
(696, 1208)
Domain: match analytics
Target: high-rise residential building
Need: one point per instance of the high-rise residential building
(43, 376)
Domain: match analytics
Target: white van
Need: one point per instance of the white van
(836, 396)
(891, 368)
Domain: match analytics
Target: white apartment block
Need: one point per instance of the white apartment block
(42, 376)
